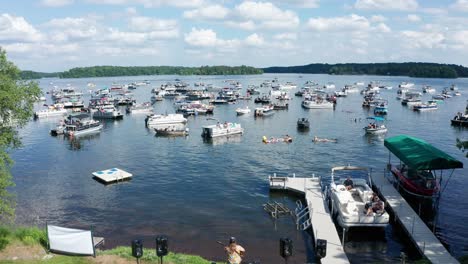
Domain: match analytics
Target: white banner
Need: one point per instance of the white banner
(69, 240)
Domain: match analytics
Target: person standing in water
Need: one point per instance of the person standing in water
(234, 251)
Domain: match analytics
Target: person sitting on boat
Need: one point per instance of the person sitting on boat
(225, 124)
(377, 207)
(218, 125)
(348, 183)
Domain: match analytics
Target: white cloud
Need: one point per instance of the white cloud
(64, 29)
(202, 38)
(13, 28)
(378, 18)
(56, 3)
(300, 3)
(382, 27)
(151, 3)
(207, 12)
(423, 39)
(255, 40)
(285, 36)
(386, 4)
(142, 24)
(267, 15)
(352, 22)
(245, 25)
(413, 18)
(461, 38)
(460, 5)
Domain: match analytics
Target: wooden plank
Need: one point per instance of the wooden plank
(322, 224)
(426, 242)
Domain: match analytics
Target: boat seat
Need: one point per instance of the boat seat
(340, 188)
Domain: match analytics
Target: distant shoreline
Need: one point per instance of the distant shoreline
(410, 69)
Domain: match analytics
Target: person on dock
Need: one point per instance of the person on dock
(234, 251)
(348, 183)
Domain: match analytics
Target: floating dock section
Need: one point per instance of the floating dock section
(112, 175)
(426, 242)
(319, 215)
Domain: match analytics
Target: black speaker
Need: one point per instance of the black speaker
(161, 246)
(321, 248)
(286, 247)
(137, 248)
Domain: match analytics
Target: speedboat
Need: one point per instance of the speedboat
(428, 89)
(107, 111)
(52, 111)
(303, 123)
(406, 85)
(219, 130)
(243, 111)
(461, 119)
(144, 108)
(170, 119)
(81, 124)
(381, 110)
(264, 111)
(349, 205)
(171, 131)
(430, 105)
(317, 104)
(376, 127)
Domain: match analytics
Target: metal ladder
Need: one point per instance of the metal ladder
(302, 213)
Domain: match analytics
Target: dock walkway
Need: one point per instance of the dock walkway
(322, 223)
(426, 242)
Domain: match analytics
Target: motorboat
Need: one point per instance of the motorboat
(280, 106)
(51, 111)
(412, 98)
(461, 119)
(428, 89)
(219, 130)
(317, 104)
(429, 105)
(106, 112)
(350, 89)
(263, 100)
(243, 111)
(170, 119)
(171, 131)
(81, 124)
(264, 111)
(381, 110)
(329, 86)
(376, 127)
(144, 108)
(351, 205)
(342, 93)
(416, 173)
(303, 123)
(406, 85)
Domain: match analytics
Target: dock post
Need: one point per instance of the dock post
(412, 226)
(424, 247)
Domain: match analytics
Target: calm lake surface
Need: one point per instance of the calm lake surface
(198, 192)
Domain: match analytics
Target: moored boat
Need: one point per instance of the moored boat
(81, 124)
(219, 130)
(243, 111)
(317, 104)
(170, 119)
(303, 123)
(376, 127)
(264, 111)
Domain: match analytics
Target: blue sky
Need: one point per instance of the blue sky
(55, 35)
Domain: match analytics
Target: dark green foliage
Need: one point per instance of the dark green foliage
(30, 75)
(105, 71)
(16, 108)
(412, 69)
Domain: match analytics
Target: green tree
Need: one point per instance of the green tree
(16, 108)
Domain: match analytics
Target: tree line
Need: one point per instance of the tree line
(411, 69)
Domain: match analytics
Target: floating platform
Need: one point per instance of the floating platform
(112, 175)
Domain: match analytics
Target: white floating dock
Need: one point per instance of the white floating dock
(426, 242)
(112, 175)
(322, 223)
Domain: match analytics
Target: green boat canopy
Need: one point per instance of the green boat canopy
(420, 155)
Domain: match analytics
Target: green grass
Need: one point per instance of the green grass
(55, 260)
(26, 235)
(149, 254)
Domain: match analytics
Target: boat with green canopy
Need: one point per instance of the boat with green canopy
(419, 162)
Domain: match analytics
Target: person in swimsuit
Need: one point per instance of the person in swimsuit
(234, 251)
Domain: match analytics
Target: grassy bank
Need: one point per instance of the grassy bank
(28, 245)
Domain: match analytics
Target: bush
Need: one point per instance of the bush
(31, 235)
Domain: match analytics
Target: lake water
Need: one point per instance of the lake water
(198, 192)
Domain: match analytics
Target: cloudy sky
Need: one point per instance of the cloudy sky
(55, 35)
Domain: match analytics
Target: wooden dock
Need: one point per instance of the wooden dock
(426, 242)
(112, 175)
(320, 219)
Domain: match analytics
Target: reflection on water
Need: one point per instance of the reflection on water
(78, 143)
(197, 191)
